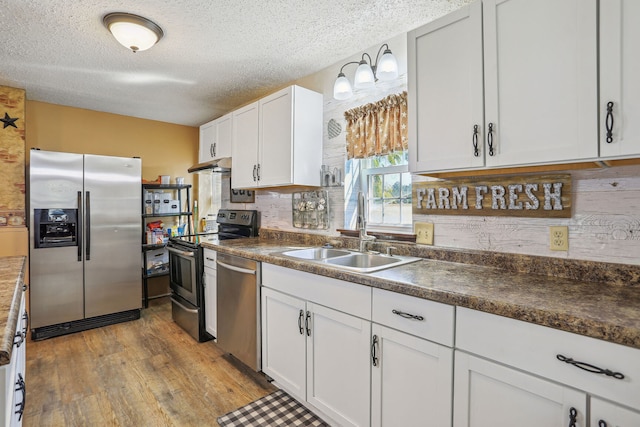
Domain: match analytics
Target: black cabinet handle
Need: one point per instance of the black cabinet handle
(258, 171)
(408, 315)
(23, 388)
(609, 122)
(374, 357)
(490, 139)
(215, 148)
(573, 416)
(255, 167)
(300, 317)
(590, 368)
(474, 139)
(25, 324)
(307, 323)
(18, 339)
(602, 423)
(212, 150)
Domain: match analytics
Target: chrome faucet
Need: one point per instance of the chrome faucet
(361, 224)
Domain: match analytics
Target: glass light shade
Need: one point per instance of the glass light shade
(387, 67)
(133, 36)
(364, 76)
(132, 31)
(342, 88)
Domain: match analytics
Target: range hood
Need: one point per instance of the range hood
(222, 165)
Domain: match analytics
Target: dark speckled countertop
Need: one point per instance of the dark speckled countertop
(11, 278)
(605, 311)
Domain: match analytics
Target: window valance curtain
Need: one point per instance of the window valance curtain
(378, 128)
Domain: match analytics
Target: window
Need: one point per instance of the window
(377, 165)
(386, 183)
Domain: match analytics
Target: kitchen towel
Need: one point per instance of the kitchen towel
(275, 409)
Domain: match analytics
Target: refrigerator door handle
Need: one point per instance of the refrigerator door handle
(79, 227)
(87, 221)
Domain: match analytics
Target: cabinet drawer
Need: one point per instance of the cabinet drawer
(340, 295)
(210, 258)
(537, 349)
(394, 310)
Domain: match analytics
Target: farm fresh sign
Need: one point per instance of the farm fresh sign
(544, 196)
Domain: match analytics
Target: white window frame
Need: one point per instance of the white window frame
(364, 185)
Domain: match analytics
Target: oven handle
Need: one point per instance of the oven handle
(236, 269)
(187, 309)
(179, 252)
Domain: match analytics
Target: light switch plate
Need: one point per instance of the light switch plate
(424, 233)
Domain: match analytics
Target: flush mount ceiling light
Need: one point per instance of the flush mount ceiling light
(367, 73)
(132, 31)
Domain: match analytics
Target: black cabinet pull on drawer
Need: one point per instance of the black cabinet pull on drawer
(590, 368)
(407, 315)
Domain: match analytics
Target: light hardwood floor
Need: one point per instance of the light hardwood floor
(147, 372)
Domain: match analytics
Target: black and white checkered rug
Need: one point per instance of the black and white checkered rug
(276, 409)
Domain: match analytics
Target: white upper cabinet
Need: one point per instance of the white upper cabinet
(619, 78)
(288, 148)
(540, 86)
(445, 92)
(215, 138)
(244, 153)
(540, 81)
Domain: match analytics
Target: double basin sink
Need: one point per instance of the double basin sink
(348, 260)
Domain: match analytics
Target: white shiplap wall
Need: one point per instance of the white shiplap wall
(605, 224)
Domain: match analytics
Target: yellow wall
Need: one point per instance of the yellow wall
(165, 149)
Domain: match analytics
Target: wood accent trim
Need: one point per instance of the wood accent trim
(379, 235)
(520, 170)
(620, 162)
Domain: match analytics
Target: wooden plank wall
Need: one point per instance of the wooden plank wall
(12, 160)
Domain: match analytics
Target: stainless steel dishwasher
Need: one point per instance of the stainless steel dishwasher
(238, 307)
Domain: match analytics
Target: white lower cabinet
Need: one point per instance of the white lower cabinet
(284, 344)
(362, 356)
(607, 414)
(489, 394)
(210, 278)
(411, 380)
(319, 355)
(338, 372)
(12, 375)
(509, 372)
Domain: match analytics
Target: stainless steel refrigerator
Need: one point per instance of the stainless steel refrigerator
(85, 232)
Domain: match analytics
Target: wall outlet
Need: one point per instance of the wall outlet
(424, 233)
(559, 238)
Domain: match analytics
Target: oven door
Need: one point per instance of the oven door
(183, 273)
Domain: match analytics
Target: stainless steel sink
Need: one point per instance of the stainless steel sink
(367, 263)
(348, 260)
(316, 253)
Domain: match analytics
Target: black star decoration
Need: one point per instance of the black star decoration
(8, 121)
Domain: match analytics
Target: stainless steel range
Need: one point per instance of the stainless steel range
(186, 266)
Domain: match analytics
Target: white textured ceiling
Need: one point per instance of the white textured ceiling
(215, 56)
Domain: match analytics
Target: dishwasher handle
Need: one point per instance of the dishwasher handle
(182, 306)
(236, 269)
(179, 252)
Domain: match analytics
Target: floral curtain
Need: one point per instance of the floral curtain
(378, 128)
